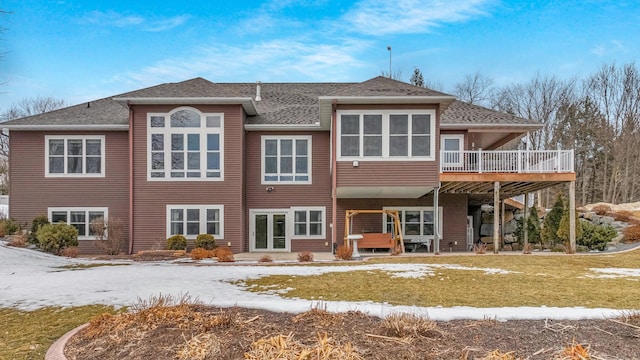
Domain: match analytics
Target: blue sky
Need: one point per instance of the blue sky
(84, 50)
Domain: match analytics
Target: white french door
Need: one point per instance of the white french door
(269, 230)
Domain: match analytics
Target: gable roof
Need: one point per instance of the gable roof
(281, 104)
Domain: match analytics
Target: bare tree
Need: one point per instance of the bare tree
(395, 75)
(475, 89)
(23, 108)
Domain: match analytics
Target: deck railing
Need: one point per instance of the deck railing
(507, 161)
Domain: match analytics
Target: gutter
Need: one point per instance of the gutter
(66, 127)
(284, 127)
(334, 177)
(130, 180)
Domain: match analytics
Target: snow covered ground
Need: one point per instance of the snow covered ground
(31, 279)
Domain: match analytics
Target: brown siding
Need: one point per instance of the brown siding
(454, 217)
(32, 193)
(318, 193)
(151, 197)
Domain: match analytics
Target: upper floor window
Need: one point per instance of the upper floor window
(386, 135)
(74, 155)
(185, 144)
(286, 159)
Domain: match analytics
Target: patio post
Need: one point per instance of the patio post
(572, 216)
(525, 223)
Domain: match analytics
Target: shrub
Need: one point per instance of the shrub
(549, 233)
(9, 227)
(527, 249)
(622, 215)
(54, 238)
(265, 259)
(632, 233)
(200, 253)
(36, 224)
(177, 242)
(601, 209)
(224, 255)
(71, 252)
(596, 237)
(18, 240)
(344, 252)
(533, 229)
(205, 241)
(480, 248)
(109, 235)
(305, 256)
(564, 229)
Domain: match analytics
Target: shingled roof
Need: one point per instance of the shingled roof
(280, 103)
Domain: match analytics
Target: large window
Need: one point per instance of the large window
(185, 144)
(192, 220)
(74, 155)
(415, 222)
(309, 222)
(80, 218)
(386, 135)
(286, 159)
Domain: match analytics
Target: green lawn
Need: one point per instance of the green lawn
(534, 280)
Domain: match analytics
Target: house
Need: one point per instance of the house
(274, 166)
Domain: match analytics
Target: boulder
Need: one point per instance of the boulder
(487, 218)
(510, 238)
(510, 227)
(486, 230)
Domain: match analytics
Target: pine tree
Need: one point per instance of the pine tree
(417, 79)
(563, 227)
(534, 226)
(551, 223)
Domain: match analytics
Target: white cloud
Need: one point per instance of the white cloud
(275, 60)
(613, 47)
(115, 19)
(380, 17)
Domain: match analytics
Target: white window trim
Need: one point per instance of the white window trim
(264, 138)
(385, 135)
(84, 139)
(460, 138)
(86, 211)
(167, 130)
(203, 219)
(323, 209)
(411, 208)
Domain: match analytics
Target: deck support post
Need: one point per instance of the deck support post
(496, 216)
(572, 216)
(525, 222)
(436, 221)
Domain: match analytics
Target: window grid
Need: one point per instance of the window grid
(405, 135)
(309, 222)
(185, 145)
(74, 156)
(80, 218)
(286, 160)
(192, 220)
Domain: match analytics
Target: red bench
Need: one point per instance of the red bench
(376, 241)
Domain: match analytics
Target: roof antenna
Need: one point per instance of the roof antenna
(89, 104)
(258, 97)
(389, 49)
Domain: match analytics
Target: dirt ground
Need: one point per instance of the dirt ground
(211, 333)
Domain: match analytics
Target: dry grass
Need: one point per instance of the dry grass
(527, 248)
(224, 254)
(622, 215)
(480, 248)
(70, 252)
(200, 347)
(157, 311)
(200, 253)
(575, 351)
(499, 355)
(409, 325)
(601, 209)
(344, 253)
(18, 240)
(265, 259)
(550, 280)
(305, 256)
(287, 348)
(632, 233)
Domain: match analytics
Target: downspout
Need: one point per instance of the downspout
(334, 177)
(130, 178)
(436, 222)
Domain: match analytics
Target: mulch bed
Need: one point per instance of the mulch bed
(202, 332)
